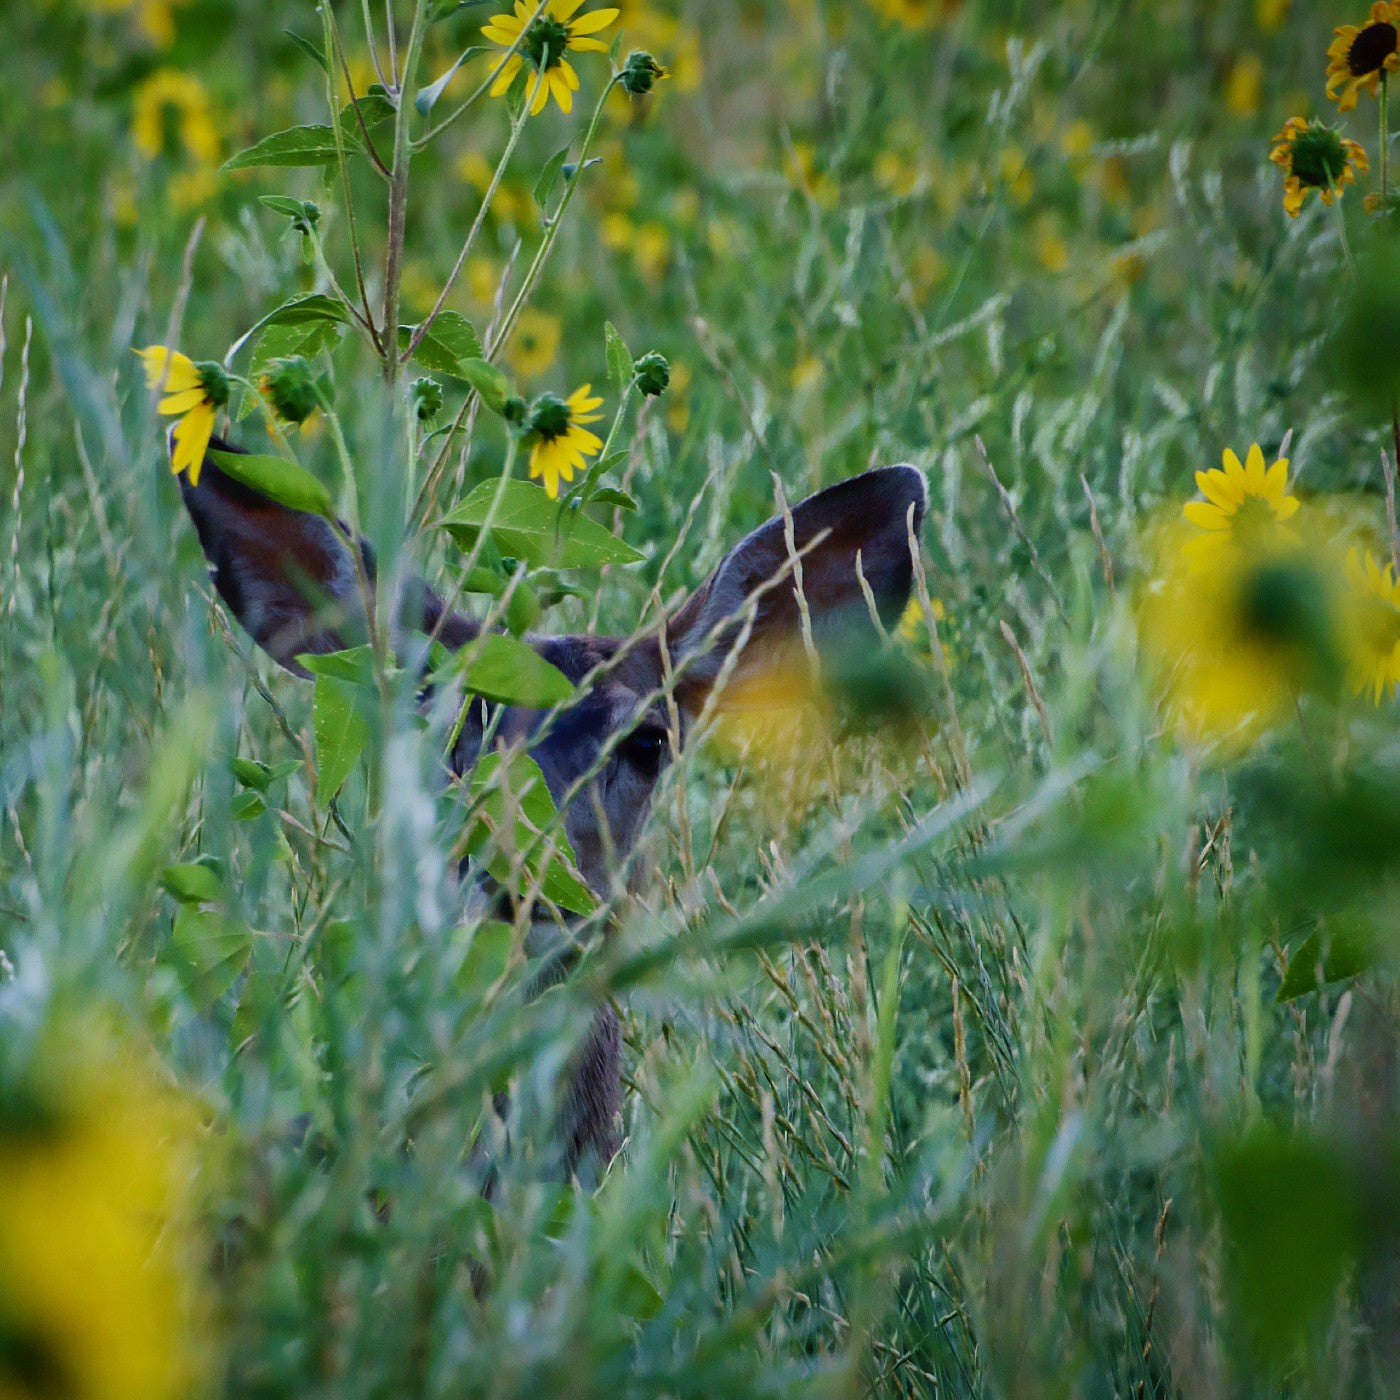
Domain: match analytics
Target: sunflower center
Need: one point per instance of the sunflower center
(550, 418)
(1371, 48)
(545, 41)
(1319, 158)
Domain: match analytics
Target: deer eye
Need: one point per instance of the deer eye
(644, 748)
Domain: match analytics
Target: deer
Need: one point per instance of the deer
(838, 565)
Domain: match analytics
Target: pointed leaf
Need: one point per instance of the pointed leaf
(298, 145)
(280, 480)
(619, 358)
(342, 732)
(450, 343)
(210, 949)
(510, 672)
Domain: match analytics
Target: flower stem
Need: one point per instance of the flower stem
(1384, 106)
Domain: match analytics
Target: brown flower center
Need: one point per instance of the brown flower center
(1371, 48)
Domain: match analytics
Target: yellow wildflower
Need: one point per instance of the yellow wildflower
(1314, 156)
(559, 443)
(1244, 505)
(181, 94)
(1362, 54)
(545, 42)
(192, 392)
(535, 344)
(1375, 631)
(1244, 85)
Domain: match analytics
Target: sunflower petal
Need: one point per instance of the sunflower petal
(1223, 490)
(1231, 463)
(564, 10)
(507, 75)
(504, 34)
(591, 23)
(1207, 516)
(1276, 480)
(587, 46)
(541, 97)
(168, 369)
(1254, 470)
(1286, 509)
(569, 75)
(191, 437)
(560, 88)
(180, 403)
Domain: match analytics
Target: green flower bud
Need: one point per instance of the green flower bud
(640, 73)
(290, 389)
(514, 410)
(549, 416)
(427, 399)
(214, 381)
(309, 219)
(653, 373)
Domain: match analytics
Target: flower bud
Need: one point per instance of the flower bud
(308, 219)
(213, 381)
(290, 389)
(514, 410)
(653, 373)
(640, 73)
(427, 399)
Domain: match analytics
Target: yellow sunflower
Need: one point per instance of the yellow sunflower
(1375, 629)
(535, 345)
(559, 443)
(1314, 156)
(1244, 505)
(1362, 54)
(192, 392)
(544, 44)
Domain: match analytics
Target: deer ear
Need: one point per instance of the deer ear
(857, 528)
(287, 577)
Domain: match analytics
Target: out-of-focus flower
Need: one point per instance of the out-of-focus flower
(1315, 156)
(676, 43)
(194, 393)
(1244, 85)
(1016, 174)
(182, 97)
(1374, 634)
(1051, 250)
(1361, 53)
(1236, 645)
(1269, 15)
(559, 443)
(98, 1273)
(534, 346)
(545, 42)
(915, 14)
(154, 18)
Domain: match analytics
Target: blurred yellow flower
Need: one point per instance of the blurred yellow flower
(1077, 139)
(534, 346)
(1314, 156)
(915, 14)
(1016, 174)
(672, 40)
(1235, 646)
(559, 443)
(1374, 651)
(1051, 250)
(545, 42)
(98, 1266)
(1269, 15)
(192, 392)
(896, 172)
(182, 97)
(1244, 85)
(1362, 53)
(153, 17)
(483, 279)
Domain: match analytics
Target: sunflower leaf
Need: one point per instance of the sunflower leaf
(619, 358)
(450, 343)
(510, 672)
(549, 177)
(427, 97)
(288, 483)
(298, 145)
(529, 526)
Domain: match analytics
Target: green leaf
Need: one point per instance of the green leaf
(298, 145)
(281, 342)
(285, 482)
(354, 664)
(530, 526)
(612, 496)
(198, 882)
(451, 342)
(535, 813)
(251, 773)
(210, 950)
(510, 672)
(247, 806)
(549, 176)
(376, 108)
(487, 957)
(310, 50)
(493, 387)
(619, 358)
(320, 315)
(342, 732)
(283, 204)
(428, 96)
(1349, 952)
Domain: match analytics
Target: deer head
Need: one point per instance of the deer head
(788, 589)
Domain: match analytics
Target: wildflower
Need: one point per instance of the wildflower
(545, 42)
(915, 14)
(559, 441)
(1243, 504)
(1375, 631)
(97, 1256)
(913, 625)
(289, 387)
(535, 345)
(183, 96)
(1361, 55)
(1236, 645)
(1314, 156)
(640, 73)
(1245, 85)
(653, 373)
(193, 392)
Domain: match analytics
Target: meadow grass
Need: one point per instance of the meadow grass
(1017, 1045)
